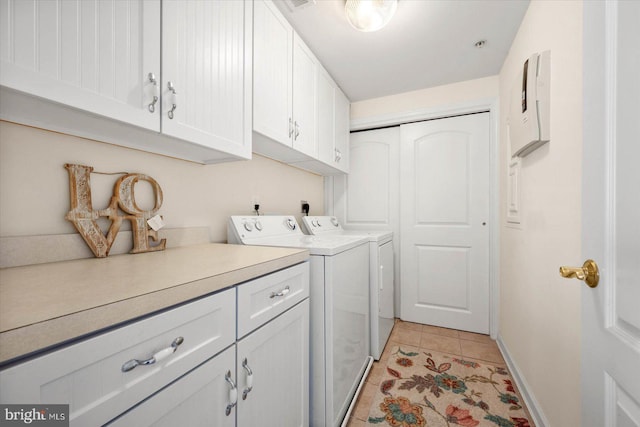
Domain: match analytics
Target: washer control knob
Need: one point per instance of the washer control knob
(334, 221)
(258, 225)
(314, 222)
(291, 223)
(248, 226)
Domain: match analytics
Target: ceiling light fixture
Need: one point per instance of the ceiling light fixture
(370, 15)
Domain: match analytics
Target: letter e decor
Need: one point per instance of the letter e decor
(84, 217)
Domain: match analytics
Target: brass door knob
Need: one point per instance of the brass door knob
(588, 273)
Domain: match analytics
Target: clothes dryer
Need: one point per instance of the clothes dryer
(339, 309)
(380, 274)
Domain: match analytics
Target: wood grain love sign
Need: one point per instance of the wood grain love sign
(84, 217)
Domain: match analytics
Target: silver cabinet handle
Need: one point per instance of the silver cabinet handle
(282, 293)
(233, 393)
(157, 357)
(174, 101)
(290, 127)
(156, 92)
(247, 390)
(297, 128)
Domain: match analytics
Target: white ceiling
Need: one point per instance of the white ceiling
(427, 43)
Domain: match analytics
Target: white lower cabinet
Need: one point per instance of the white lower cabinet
(277, 357)
(89, 375)
(200, 398)
(270, 374)
(185, 366)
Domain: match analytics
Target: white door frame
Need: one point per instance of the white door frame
(476, 106)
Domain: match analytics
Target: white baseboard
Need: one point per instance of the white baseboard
(525, 391)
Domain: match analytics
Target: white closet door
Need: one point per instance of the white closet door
(368, 197)
(206, 60)
(445, 222)
(91, 55)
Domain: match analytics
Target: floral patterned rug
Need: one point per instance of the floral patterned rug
(438, 390)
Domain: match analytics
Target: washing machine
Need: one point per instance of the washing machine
(380, 274)
(339, 309)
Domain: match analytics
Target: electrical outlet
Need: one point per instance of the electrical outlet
(304, 207)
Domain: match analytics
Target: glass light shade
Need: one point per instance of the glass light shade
(370, 15)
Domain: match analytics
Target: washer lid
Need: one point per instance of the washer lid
(283, 231)
(329, 225)
(317, 245)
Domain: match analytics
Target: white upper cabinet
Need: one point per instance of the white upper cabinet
(341, 111)
(95, 56)
(204, 48)
(293, 97)
(273, 74)
(326, 131)
(99, 63)
(304, 99)
(333, 125)
(284, 88)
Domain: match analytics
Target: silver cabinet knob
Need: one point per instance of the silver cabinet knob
(233, 393)
(156, 92)
(157, 357)
(174, 101)
(247, 390)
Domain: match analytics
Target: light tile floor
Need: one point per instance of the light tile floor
(473, 347)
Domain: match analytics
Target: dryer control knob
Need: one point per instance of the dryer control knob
(291, 223)
(334, 221)
(258, 225)
(248, 226)
(315, 223)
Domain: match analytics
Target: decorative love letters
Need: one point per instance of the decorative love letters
(84, 217)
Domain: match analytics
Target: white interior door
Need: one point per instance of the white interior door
(368, 197)
(444, 219)
(611, 214)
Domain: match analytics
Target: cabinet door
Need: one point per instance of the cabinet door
(91, 55)
(206, 73)
(272, 70)
(278, 356)
(326, 132)
(304, 98)
(200, 398)
(342, 106)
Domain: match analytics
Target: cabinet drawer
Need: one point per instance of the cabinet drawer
(200, 398)
(89, 375)
(262, 299)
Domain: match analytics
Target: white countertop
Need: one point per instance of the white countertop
(47, 304)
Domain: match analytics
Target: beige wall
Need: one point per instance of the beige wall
(452, 94)
(34, 186)
(539, 311)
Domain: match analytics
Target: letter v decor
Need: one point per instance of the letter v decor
(84, 217)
